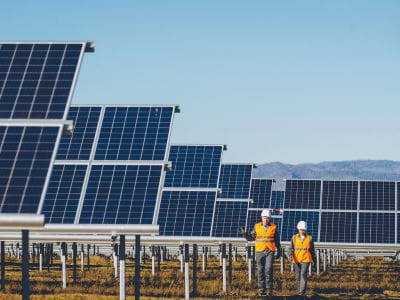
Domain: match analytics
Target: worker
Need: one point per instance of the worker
(302, 253)
(268, 247)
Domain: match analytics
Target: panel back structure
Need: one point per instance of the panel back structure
(37, 80)
(230, 212)
(190, 190)
(124, 152)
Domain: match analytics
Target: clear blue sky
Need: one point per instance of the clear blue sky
(291, 81)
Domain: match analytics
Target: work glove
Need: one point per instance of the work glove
(278, 254)
(243, 232)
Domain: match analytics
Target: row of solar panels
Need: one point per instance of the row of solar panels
(112, 169)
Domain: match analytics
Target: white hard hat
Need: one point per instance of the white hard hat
(302, 225)
(266, 213)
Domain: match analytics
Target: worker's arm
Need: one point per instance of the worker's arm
(312, 251)
(291, 249)
(250, 236)
(277, 241)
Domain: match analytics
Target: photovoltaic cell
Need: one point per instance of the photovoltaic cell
(229, 217)
(277, 199)
(303, 194)
(340, 195)
(186, 213)
(194, 166)
(291, 218)
(25, 158)
(377, 195)
(338, 227)
(254, 216)
(235, 181)
(377, 228)
(261, 193)
(78, 145)
(36, 79)
(134, 133)
(121, 194)
(63, 193)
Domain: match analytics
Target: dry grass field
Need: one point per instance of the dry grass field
(372, 278)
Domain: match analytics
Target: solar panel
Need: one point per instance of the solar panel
(79, 144)
(303, 194)
(36, 79)
(26, 154)
(121, 194)
(261, 193)
(63, 193)
(195, 166)
(338, 227)
(235, 181)
(377, 195)
(134, 133)
(186, 213)
(229, 217)
(291, 218)
(254, 216)
(340, 195)
(377, 228)
(277, 199)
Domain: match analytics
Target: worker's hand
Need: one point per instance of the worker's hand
(242, 232)
(277, 254)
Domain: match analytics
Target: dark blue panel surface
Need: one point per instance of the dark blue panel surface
(377, 228)
(254, 216)
(303, 194)
(63, 193)
(261, 193)
(229, 216)
(78, 145)
(36, 79)
(340, 195)
(25, 157)
(291, 218)
(338, 227)
(235, 181)
(134, 133)
(121, 194)
(186, 213)
(277, 199)
(377, 195)
(194, 166)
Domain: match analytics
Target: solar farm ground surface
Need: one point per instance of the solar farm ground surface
(371, 278)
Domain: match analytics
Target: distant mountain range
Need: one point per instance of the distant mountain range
(339, 170)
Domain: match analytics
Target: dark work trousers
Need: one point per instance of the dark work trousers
(265, 267)
(301, 270)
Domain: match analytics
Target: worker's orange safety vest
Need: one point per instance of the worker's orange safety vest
(301, 253)
(265, 238)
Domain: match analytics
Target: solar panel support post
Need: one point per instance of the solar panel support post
(137, 267)
(230, 265)
(74, 254)
(248, 255)
(181, 256)
(153, 260)
(282, 260)
(115, 259)
(143, 259)
(194, 258)
(41, 250)
(203, 259)
(236, 254)
(94, 249)
(187, 283)
(25, 265)
(324, 259)
(64, 264)
(122, 267)
(33, 253)
(82, 257)
(88, 256)
(3, 266)
(158, 253)
(253, 260)
(317, 262)
(223, 255)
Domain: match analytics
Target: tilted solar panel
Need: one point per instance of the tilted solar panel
(235, 181)
(277, 199)
(229, 217)
(261, 193)
(36, 79)
(63, 193)
(377, 195)
(195, 166)
(186, 213)
(340, 195)
(26, 154)
(303, 194)
(377, 228)
(79, 144)
(338, 227)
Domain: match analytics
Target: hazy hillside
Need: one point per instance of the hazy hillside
(352, 169)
